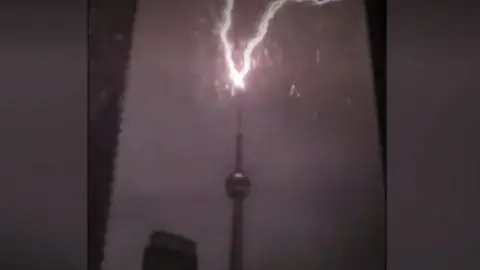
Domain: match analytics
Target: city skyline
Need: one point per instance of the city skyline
(314, 154)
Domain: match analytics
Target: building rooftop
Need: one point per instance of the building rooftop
(174, 242)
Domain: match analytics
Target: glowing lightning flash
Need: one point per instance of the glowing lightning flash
(238, 76)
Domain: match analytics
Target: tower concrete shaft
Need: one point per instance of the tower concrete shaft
(236, 251)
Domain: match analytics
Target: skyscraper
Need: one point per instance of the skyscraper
(109, 43)
(169, 251)
(237, 185)
(376, 23)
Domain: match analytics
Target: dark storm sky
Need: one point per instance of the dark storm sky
(312, 159)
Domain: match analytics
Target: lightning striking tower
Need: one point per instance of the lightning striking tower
(237, 76)
(237, 185)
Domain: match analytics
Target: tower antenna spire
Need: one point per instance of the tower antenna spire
(239, 137)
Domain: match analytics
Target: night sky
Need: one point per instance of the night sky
(312, 154)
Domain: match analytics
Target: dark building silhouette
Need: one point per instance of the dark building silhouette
(376, 22)
(168, 251)
(110, 31)
(237, 185)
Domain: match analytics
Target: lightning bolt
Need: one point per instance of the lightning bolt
(237, 76)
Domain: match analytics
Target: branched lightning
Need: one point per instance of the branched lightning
(237, 76)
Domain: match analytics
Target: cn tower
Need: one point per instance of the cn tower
(237, 185)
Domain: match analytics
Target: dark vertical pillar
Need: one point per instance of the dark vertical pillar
(376, 22)
(236, 252)
(109, 43)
